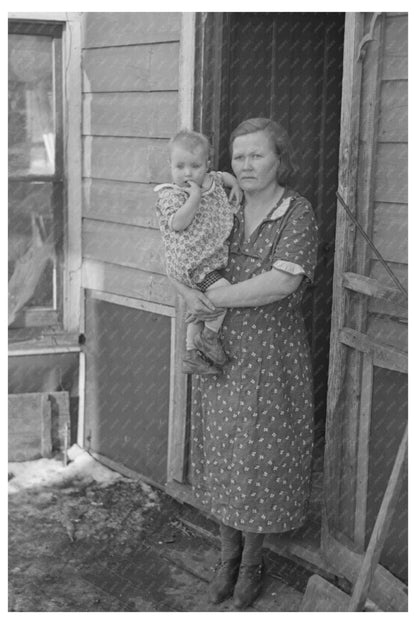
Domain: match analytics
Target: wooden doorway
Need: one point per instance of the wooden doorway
(287, 66)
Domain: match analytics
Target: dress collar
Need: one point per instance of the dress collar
(278, 210)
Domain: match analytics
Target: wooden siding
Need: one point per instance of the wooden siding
(130, 109)
(389, 228)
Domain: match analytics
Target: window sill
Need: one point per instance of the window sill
(36, 343)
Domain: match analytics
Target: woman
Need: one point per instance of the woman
(252, 426)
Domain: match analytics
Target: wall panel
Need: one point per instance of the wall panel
(132, 68)
(120, 29)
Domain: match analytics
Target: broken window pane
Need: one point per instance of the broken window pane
(31, 105)
(35, 178)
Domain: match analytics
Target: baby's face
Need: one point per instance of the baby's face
(188, 166)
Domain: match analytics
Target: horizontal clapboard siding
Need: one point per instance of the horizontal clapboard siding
(132, 68)
(127, 282)
(121, 29)
(130, 110)
(135, 247)
(379, 273)
(387, 322)
(125, 159)
(130, 114)
(120, 202)
(391, 219)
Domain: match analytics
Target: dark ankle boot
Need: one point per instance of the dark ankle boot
(248, 586)
(222, 584)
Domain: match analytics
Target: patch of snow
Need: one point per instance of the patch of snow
(83, 469)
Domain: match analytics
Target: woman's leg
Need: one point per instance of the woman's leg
(231, 542)
(253, 548)
(222, 584)
(249, 583)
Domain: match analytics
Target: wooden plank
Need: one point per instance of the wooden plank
(390, 332)
(134, 247)
(391, 173)
(390, 231)
(118, 29)
(73, 297)
(29, 431)
(396, 38)
(382, 353)
(393, 124)
(386, 591)
(363, 450)
(379, 306)
(131, 114)
(395, 68)
(120, 202)
(357, 310)
(380, 529)
(348, 158)
(178, 417)
(177, 444)
(132, 68)
(373, 288)
(127, 282)
(128, 160)
(82, 378)
(59, 419)
(378, 272)
(187, 69)
(46, 343)
(130, 302)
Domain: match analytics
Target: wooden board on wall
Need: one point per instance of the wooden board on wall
(395, 53)
(118, 29)
(128, 282)
(390, 231)
(29, 431)
(132, 68)
(391, 173)
(120, 202)
(388, 331)
(393, 111)
(135, 247)
(152, 114)
(125, 159)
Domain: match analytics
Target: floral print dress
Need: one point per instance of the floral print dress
(252, 426)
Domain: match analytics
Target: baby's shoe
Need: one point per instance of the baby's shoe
(195, 363)
(209, 344)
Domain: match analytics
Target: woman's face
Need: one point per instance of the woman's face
(254, 161)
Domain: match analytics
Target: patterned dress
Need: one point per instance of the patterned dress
(252, 426)
(202, 247)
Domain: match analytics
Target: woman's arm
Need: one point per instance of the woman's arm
(196, 302)
(265, 288)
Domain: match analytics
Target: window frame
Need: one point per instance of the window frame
(67, 327)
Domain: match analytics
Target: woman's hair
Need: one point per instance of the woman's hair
(280, 140)
(191, 140)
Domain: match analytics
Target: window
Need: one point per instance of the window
(36, 175)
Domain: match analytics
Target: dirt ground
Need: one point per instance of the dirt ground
(122, 546)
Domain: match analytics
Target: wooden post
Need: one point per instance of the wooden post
(348, 155)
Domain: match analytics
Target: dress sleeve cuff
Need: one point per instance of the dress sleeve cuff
(289, 267)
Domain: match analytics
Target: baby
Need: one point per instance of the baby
(195, 219)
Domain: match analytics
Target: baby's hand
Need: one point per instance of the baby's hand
(236, 194)
(192, 189)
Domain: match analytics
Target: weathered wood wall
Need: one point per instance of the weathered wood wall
(371, 427)
(130, 109)
(389, 219)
